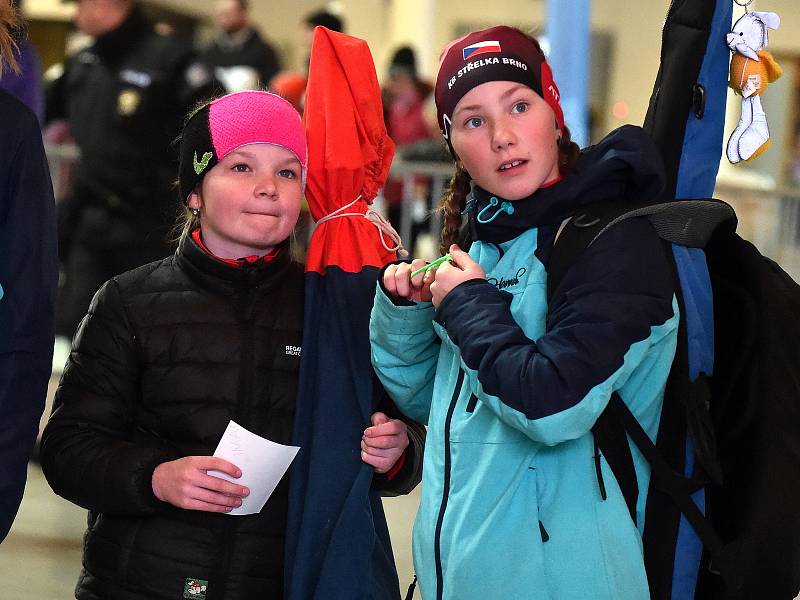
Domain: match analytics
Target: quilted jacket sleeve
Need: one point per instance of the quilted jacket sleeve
(91, 452)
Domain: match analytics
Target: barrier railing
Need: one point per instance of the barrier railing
(420, 225)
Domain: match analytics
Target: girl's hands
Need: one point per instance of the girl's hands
(185, 483)
(398, 281)
(433, 285)
(459, 269)
(384, 442)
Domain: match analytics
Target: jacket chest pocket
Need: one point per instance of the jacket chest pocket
(474, 422)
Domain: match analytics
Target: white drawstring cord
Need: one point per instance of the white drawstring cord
(377, 219)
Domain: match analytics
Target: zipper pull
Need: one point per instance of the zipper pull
(543, 532)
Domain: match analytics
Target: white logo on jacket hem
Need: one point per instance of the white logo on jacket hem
(293, 350)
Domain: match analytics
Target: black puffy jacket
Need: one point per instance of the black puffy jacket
(168, 354)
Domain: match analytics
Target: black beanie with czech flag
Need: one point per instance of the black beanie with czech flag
(497, 54)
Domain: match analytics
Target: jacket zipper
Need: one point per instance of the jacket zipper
(245, 392)
(437, 540)
(247, 332)
(241, 413)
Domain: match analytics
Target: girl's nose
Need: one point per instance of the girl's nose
(503, 135)
(265, 187)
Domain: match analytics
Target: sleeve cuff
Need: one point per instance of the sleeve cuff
(398, 465)
(450, 306)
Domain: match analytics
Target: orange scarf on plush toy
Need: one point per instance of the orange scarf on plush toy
(753, 75)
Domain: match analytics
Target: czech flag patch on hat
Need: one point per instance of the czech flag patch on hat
(481, 48)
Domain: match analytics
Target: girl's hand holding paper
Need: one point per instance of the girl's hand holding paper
(185, 483)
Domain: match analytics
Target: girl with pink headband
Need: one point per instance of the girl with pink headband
(510, 375)
(171, 352)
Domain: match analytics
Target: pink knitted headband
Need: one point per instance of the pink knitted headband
(250, 117)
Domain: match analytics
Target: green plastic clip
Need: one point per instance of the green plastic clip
(433, 265)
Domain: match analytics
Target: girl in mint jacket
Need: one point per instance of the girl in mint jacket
(516, 502)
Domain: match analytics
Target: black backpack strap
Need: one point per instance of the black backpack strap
(679, 489)
(577, 233)
(687, 222)
(610, 441)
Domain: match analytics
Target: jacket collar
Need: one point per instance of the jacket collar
(239, 262)
(222, 277)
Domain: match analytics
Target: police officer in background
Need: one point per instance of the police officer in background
(125, 97)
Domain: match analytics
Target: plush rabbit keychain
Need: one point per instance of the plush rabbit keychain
(752, 69)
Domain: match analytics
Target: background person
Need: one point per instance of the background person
(317, 18)
(239, 57)
(28, 276)
(405, 98)
(124, 97)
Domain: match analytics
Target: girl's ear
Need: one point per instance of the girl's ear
(194, 199)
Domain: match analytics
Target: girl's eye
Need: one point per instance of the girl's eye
(241, 168)
(520, 107)
(473, 122)
(287, 173)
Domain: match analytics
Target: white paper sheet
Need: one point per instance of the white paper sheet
(261, 461)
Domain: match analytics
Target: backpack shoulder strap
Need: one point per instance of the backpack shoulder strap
(577, 233)
(686, 222)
